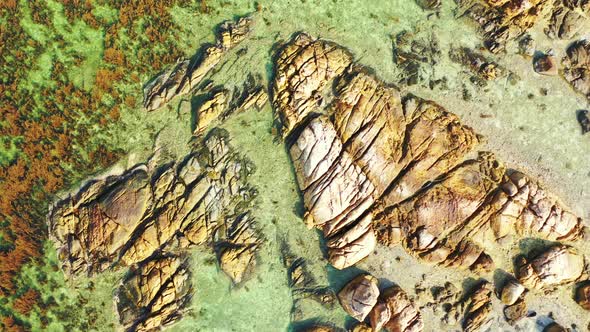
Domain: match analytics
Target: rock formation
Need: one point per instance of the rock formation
(187, 74)
(478, 306)
(557, 265)
(395, 312)
(374, 166)
(567, 18)
(142, 217)
(583, 295)
(576, 67)
(511, 291)
(359, 296)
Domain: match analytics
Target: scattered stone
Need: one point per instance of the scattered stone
(576, 67)
(584, 120)
(483, 68)
(511, 291)
(359, 296)
(187, 74)
(545, 65)
(559, 264)
(583, 296)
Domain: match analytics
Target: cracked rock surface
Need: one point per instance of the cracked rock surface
(378, 167)
(187, 74)
(559, 264)
(359, 296)
(144, 216)
(478, 306)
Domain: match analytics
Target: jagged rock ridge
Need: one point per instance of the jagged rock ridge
(374, 166)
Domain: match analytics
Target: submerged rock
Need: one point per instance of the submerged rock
(559, 264)
(576, 67)
(359, 296)
(567, 18)
(134, 218)
(154, 294)
(583, 296)
(501, 21)
(187, 74)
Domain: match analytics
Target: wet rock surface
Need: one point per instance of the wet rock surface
(142, 217)
(583, 117)
(375, 166)
(186, 75)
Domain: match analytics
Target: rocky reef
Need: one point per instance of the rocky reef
(147, 219)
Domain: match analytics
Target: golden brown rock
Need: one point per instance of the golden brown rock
(514, 312)
(554, 327)
(559, 264)
(155, 294)
(511, 291)
(478, 308)
(187, 74)
(304, 70)
(210, 110)
(359, 296)
(545, 65)
(362, 327)
(375, 166)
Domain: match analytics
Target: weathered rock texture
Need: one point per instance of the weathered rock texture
(377, 167)
(359, 296)
(141, 217)
(395, 312)
(583, 295)
(187, 74)
(503, 20)
(576, 67)
(557, 265)
(478, 306)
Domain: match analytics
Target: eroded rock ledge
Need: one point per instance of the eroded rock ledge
(145, 217)
(374, 166)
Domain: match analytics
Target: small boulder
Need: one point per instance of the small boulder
(583, 296)
(584, 120)
(511, 292)
(554, 327)
(516, 311)
(359, 296)
(545, 65)
(362, 327)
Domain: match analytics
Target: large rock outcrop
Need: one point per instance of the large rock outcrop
(142, 217)
(576, 67)
(375, 166)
